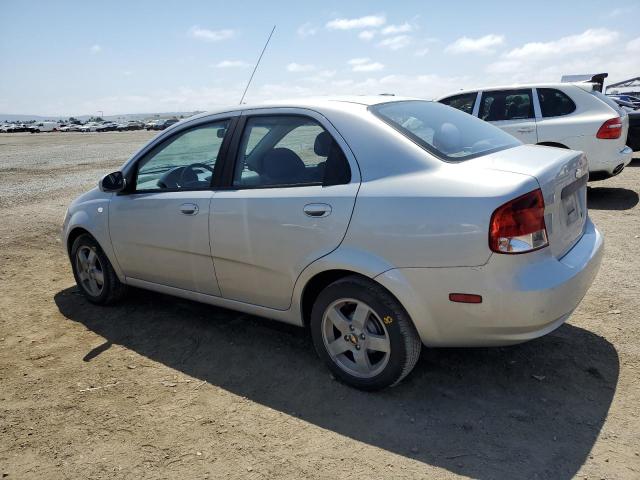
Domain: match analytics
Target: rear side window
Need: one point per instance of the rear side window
(506, 105)
(464, 101)
(554, 103)
(447, 133)
(288, 150)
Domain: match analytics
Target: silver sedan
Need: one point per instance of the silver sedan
(382, 223)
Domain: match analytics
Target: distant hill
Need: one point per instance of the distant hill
(126, 116)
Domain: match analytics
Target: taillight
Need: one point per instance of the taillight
(611, 129)
(518, 226)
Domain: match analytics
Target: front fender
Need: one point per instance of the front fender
(92, 215)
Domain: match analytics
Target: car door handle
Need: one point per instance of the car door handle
(317, 210)
(189, 209)
(525, 130)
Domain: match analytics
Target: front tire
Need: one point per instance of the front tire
(363, 334)
(94, 274)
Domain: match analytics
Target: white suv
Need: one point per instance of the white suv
(564, 115)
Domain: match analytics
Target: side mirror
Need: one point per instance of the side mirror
(114, 182)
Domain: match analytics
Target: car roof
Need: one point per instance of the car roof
(558, 85)
(313, 103)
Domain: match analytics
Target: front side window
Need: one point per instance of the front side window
(464, 101)
(185, 162)
(554, 103)
(447, 133)
(288, 150)
(506, 105)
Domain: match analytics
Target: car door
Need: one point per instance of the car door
(290, 196)
(160, 226)
(512, 111)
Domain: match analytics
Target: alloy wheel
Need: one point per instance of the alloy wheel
(90, 272)
(355, 338)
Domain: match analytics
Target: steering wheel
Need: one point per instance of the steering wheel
(191, 169)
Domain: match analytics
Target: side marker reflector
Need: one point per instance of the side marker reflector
(465, 298)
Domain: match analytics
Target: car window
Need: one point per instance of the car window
(506, 105)
(554, 103)
(464, 101)
(186, 161)
(447, 133)
(288, 150)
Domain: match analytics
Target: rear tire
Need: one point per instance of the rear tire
(94, 274)
(363, 334)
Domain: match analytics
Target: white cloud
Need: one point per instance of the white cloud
(95, 49)
(210, 35)
(232, 64)
(422, 52)
(395, 29)
(367, 67)
(307, 30)
(588, 40)
(298, 67)
(634, 45)
(327, 73)
(359, 61)
(322, 76)
(395, 43)
(367, 35)
(484, 45)
(369, 21)
(580, 53)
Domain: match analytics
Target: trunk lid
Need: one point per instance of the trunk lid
(562, 175)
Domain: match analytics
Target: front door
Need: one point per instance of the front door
(512, 111)
(160, 229)
(291, 199)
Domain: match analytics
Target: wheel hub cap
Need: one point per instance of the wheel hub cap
(90, 271)
(355, 338)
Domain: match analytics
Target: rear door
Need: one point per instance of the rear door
(291, 189)
(512, 111)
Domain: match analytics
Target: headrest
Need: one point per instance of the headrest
(322, 145)
(448, 139)
(282, 164)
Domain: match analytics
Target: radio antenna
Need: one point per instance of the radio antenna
(257, 64)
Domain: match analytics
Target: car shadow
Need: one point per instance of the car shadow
(608, 198)
(527, 411)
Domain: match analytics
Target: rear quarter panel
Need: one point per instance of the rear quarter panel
(439, 218)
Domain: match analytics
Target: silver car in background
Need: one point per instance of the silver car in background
(382, 223)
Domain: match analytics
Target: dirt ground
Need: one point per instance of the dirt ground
(165, 388)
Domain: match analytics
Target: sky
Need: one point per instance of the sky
(82, 57)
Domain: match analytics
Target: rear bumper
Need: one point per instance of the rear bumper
(610, 165)
(524, 296)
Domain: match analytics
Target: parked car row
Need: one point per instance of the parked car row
(104, 126)
(161, 124)
(574, 116)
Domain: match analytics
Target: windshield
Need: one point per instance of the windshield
(448, 133)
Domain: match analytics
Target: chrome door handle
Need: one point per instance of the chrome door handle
(525, 130)
(189, 209)
(317, 210)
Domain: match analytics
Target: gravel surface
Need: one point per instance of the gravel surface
(159, 387)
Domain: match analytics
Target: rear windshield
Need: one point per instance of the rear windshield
(448, 133)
